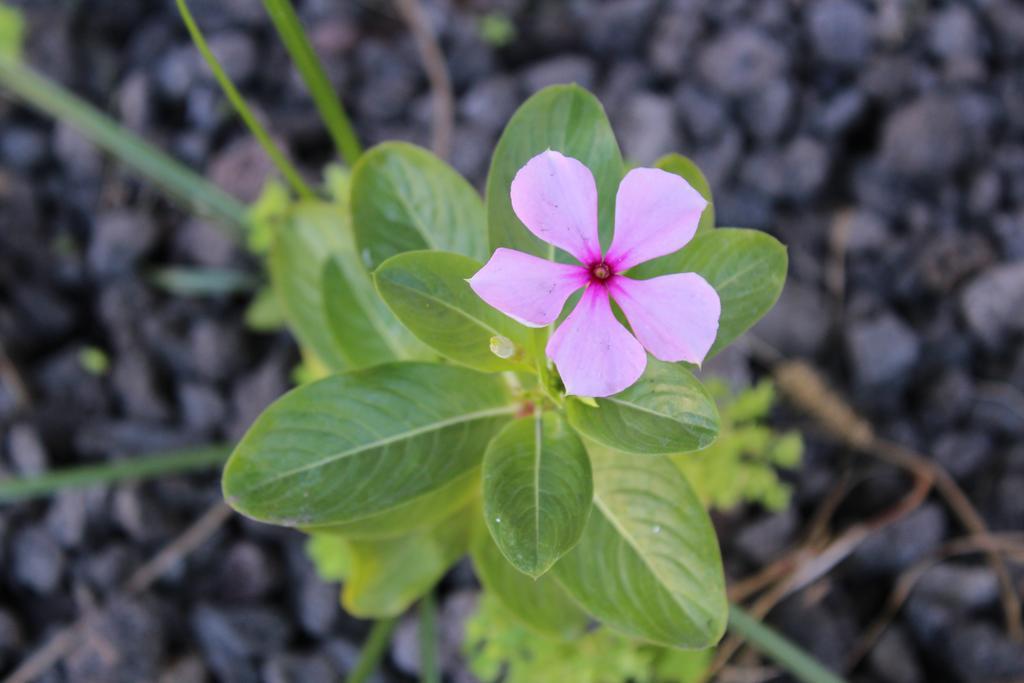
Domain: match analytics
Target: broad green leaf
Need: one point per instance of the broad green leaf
(540, 603)
(648, 563)
(264, 314)
(301, 244)
(567, 119)
(388, 575)
(404, 199)
(746, 267)
(416, 514)
(428, 292)
(330, 555)
(667, 411)
(360, 444)
(537, 491)
(688, 171)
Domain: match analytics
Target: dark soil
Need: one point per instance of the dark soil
(886, 137)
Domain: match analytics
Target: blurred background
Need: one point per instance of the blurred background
(882, 141)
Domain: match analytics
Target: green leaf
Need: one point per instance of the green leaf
(12, 33)
(388, 575)
(648, 563)
(264, 314)
(359, 444)
(428, 292)
(416, 514)
(570, 120)
(404, 199)
(539, 603)
(330, 555)
(537, 491)
(688, 171)
(667, 411)
(746, 267)
(301, 245)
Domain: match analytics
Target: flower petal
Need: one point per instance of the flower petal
(555, 197)
(594, 353)
(527, 288)
(656, 213)
(675, 317)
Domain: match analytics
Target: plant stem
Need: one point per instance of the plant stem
(373, 650)
(241, 108)
(12, 490)
(286, 21)
(429, 671)
(778, 648)
(170, 174)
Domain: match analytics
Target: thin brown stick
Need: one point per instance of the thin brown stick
(434, 64)
(907, 580)
(69, 637)
(806, 388)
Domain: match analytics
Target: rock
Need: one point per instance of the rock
(490, 103)
(135, 101)
(75, 153)
(765, 540)
(966, 587)
(296, 668)
(646, 128)
(826, 636)
(703, 114)
(23, 148)
(925, 138)
(562, 69)
(316, 604)
(840, 31)
(217, 348)
(999, 408)
(177, 71)
(120, 239)
(236, 53)
(892, 658)
(950, 257)
(185, 670)
(204, 243)
(901, 544)
(980, 652)
(865, 231)
(1009, 232)
(675, 32)
(253, 392)
(457, 608)
(203, 409)
(231, 640)
(991, 304)
(37, 562)
(840, 112)
(1006, 17)
(963, 453)
(741, 61)
(405, 646)
(241, 169)
(11, 639)
(345, 656)
(767, 112)
(67, 517)
(124, 645)
(954, 33)
(798, 324)
(882, 351)
(26, 451)
(619, 27)
(135, 382)
(805, 164)
(139, 515)
(107, 568)
(247, 573)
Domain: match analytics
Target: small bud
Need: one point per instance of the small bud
(503, 347)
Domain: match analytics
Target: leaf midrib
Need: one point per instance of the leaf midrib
(394, 438)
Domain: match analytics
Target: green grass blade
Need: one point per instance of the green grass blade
(430, 672)
(778, 648)
(168, 173)
(373, 650)
(189, 281)
(142, 467)
(282, 13)
(291, 175)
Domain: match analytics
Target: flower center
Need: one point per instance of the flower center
(601, 271)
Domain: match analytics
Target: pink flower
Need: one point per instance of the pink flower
(674, 317)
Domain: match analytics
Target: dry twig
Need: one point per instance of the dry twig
(68, 638)
(437, 73)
